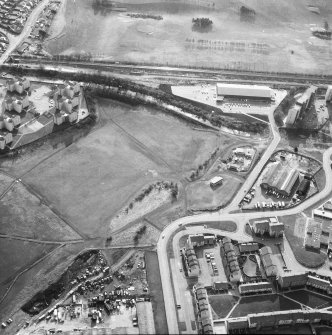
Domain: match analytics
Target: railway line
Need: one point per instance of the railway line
(218, 74)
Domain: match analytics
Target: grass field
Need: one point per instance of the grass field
(24, 215)
(222, 304)
(263, 304)
(155, 286)
(89, 181)
(16, 255)
(281, 28)
(38, 278)
(295, 234)
(201, 196)
(310, 299)
(5, 182)
(222, 225)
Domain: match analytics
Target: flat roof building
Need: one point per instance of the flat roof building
(293, 114)
(245, 91)
(216, 181)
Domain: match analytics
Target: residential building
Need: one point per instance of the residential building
(269, 267)
(19, 85)
(191, 261)
(292, 280)
(248, 247)
(196, 240)
(270, 226)
(253, 288)
(279, 318)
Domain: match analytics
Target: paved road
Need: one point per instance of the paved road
(258, 167)
(15, 41)
(240, 218)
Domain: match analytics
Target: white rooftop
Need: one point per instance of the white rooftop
(216, 179)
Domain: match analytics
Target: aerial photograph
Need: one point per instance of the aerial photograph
(165, 167)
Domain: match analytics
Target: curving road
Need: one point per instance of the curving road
(240, 218)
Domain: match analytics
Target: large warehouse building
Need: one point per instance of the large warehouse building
(281, 178)
(244, 91)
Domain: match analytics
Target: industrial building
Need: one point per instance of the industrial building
(328, 95)
(293, 114)
(307, 98)
(302, 105)
(244, 91)
(280, 178)
(303, 188)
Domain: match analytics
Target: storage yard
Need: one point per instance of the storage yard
(236, 99)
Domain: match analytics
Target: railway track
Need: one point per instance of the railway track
(139, 69)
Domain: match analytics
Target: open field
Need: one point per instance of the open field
(310, 299)
(38, 278)
(5, 182)
(17, 255)
(295, 226)
(222, 304)
(93, 178)
(222, 225)
(202, 196)
(154, 281)
(263, 304)
(278, 39)
(24, 215)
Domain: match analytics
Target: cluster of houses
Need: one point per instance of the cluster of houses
(277, 319)
(66, 102)
(189, 255)
(231, 259)
(3, 42)
(203, 307)
(15, 102)
(190, 260)
(255, 287)
(14, 14)
(310, 280)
